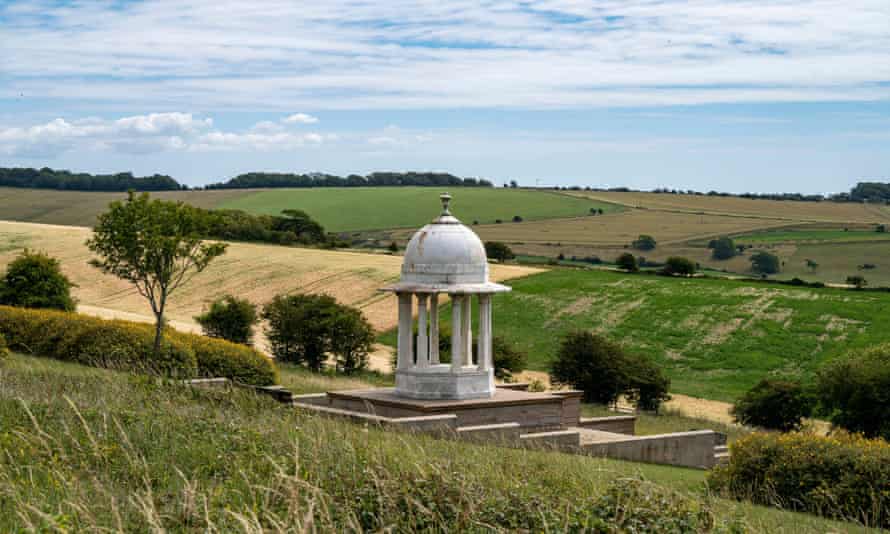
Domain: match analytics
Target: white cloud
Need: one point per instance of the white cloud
(141, 134)
(300, 118)
(278, 54)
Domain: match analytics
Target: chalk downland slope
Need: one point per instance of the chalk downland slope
(839, 212)
(252, 271)
(80, 208)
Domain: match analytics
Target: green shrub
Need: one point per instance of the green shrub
(128, 346)
(722, 248)
(495, 250)
(774, 404)
(647, 385)
(306, 328)
(627, 262)
(229, 318)
(604, 372)
(95, 342)
(855, 391)
(677, 266)
(35, 280)
(857, 281)
(644, 242)
(507, 359)
(843, 476)
(221, 358)
(765, 263)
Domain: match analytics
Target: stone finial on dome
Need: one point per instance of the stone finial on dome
(446, 200)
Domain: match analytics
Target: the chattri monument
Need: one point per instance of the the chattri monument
(444, 258)
(459, 399)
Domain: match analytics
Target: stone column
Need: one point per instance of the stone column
(484, 348)
(466, 333)
(434, 329)
(456, 346)
(423, 347)
(406, 346)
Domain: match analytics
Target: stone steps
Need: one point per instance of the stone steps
(721, 454)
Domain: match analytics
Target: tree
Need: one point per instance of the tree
(517, 218)
(603, 371)
(513, 184)
(498, 251)
(627, 262)
(302, 225)
(35, 280)
(812, 265)
(774, 404)
(351, 339)
(393, 247)
(857, 281)
(854, 390)
(677, 266)
(507, 359)
(591, 363)
(156, 245)
(764, 263)
(305, 328)
(723, 248)
(881, 229)
(229, 318)
(644, 242)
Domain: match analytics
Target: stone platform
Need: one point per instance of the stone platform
(530, 410)
(515, 417)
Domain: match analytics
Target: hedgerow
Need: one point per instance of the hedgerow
(843, 476)
(127, 346)
(218, 357)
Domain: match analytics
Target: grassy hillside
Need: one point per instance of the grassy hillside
(716, 338)
(87, 450)
(367, 208)
(79, 208)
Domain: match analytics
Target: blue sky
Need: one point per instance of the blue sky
(785, 95)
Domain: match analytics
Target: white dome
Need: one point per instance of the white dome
(445, 256)
(445, 252)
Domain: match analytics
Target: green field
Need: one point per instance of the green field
(375, 208)
(715, 338)
(810, 236)
(89, 450)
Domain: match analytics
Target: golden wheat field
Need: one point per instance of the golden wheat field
(622, 228)
(80, 208)
(834, 212)
(255, 272)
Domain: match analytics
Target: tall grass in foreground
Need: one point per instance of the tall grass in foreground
(90, 450)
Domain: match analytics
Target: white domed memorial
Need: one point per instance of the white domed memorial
(444, 258)
(459, 398)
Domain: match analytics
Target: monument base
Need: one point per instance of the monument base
(440, 382)
(534, 410)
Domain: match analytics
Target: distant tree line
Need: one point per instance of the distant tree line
(292, 227)
(46, 178)
(376, 179)
(862, 192)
